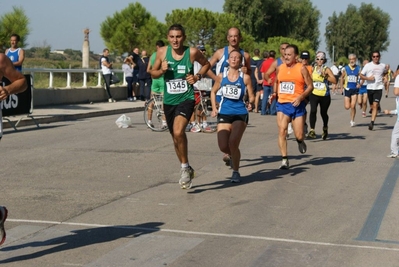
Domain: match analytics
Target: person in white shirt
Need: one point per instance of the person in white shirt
(373, 72)
(337, 75)
(395, 131)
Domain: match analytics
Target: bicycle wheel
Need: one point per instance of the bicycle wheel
(156, 123)
(202, 115)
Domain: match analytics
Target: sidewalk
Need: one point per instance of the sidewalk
(57, 113)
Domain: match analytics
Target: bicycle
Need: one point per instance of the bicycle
(155, 104)
(203, 111)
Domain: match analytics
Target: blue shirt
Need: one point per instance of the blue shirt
(14, 57)
(232, 96)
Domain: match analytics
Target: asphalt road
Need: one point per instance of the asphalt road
(86, 193)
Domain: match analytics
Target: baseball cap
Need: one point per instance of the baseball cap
(305, 55)
(201, 47)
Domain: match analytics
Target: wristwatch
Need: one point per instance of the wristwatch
(199, 76)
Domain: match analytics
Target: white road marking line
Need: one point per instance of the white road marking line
(210, 234)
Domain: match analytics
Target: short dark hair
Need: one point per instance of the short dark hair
(296, 50)
(265, 54)
(375, 52)
(160, 43)
(16, 35)
(272, 53)
(105, 49)
(177, 27)
(256, 51)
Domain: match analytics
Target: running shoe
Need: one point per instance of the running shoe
(352, 123)
(364, 114)
(3, 217)
(285, 165)
(312, 134)
(371, 126)
(186, 177)
(236, 177)
(196, 128)
(302, 147)
(392, 155)
(188, 127)
(324, 135)
(290, 130)
(227, 159)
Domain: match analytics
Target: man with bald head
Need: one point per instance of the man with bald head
(220, 59)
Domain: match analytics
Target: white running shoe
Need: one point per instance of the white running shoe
(285, 165)
(290, 130)
(392, 155)
(352, 123)
(195, 129)
(186, 177)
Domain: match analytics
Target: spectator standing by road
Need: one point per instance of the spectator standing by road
(17, 84)
(144, 77)
(106, 67)
(15, 53)
(268, 87)
(136, 57)
(127, 68)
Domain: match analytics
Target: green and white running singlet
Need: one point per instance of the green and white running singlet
(177, 89)
(158, 84)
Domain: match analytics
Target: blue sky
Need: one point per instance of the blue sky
(60, 23)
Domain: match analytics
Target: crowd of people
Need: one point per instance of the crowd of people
(280, 85)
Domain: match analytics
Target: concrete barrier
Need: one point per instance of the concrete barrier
(61, 96)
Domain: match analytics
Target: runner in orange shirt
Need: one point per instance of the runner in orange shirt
(290, 84)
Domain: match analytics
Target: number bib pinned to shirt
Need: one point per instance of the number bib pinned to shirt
(231, 91)
(352, 78)
(176, 86)
(287, 88)
(319, 88)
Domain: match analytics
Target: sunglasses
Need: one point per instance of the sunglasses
(376, 56)
(319, 58)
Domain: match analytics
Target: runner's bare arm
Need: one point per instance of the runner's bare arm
(160, 64)
(214, 59)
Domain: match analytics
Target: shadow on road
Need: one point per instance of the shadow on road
(270, 174)
(82, 238)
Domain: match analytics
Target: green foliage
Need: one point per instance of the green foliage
(358, 31)
(273, 43)
(132, 27)
(297, 19)
(14, 22)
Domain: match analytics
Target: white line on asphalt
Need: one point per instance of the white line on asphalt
(209, 234)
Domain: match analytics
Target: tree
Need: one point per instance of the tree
(14, 22)
(262, 19)
(132, 27)
(357, 31)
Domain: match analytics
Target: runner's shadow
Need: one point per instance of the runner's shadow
(270, 174)
(337, 136)
(82, 238)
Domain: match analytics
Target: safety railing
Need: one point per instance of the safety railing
(68, 75)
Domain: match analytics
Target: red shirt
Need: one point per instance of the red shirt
(265, 66)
